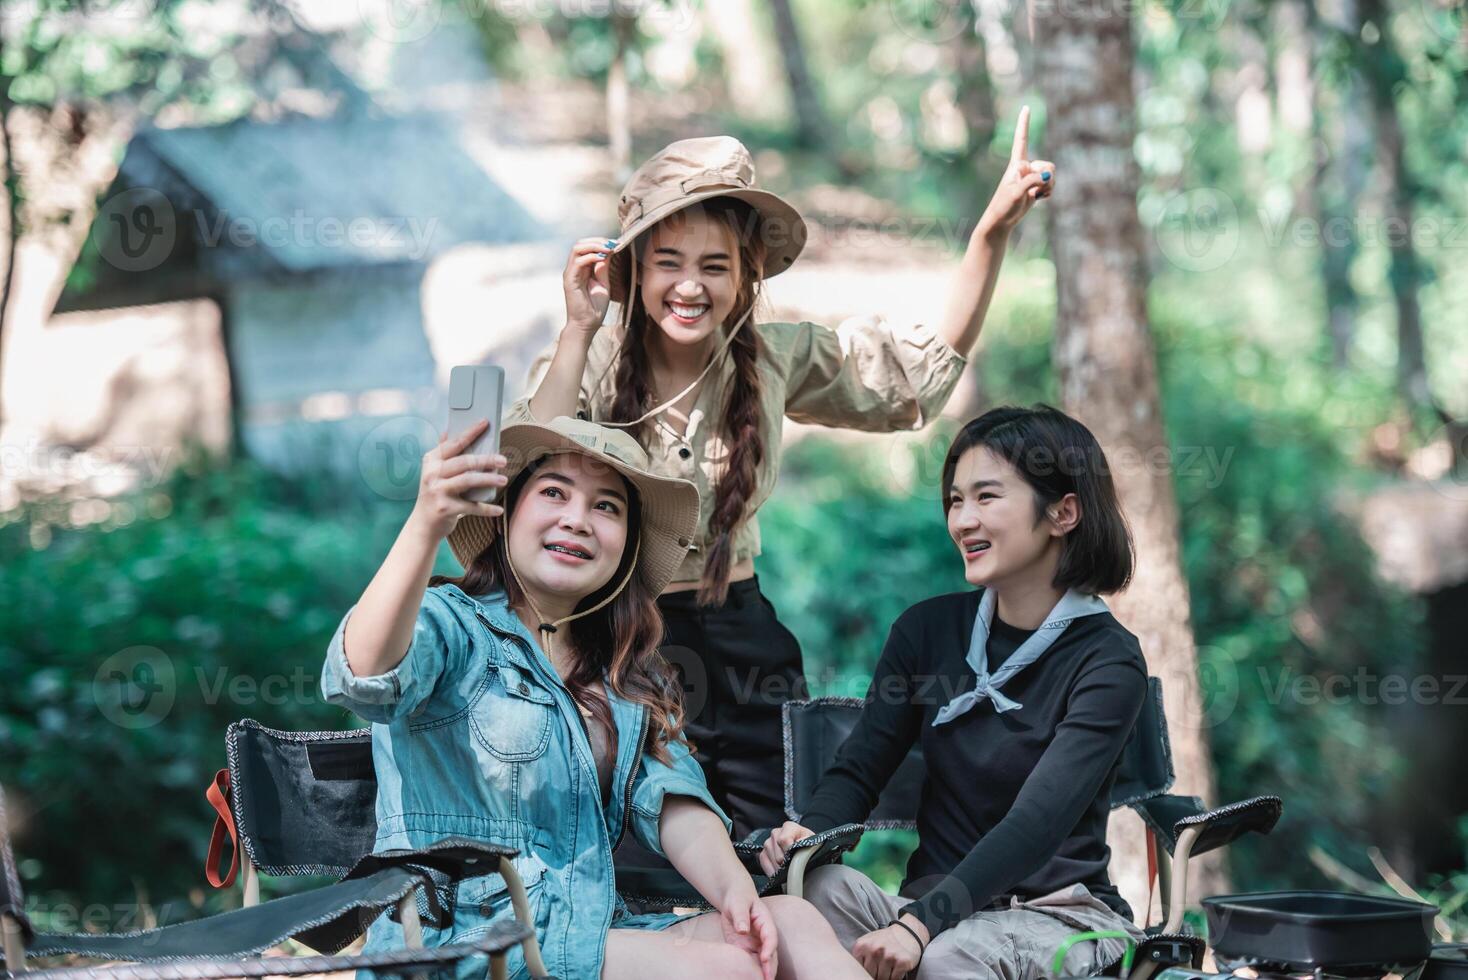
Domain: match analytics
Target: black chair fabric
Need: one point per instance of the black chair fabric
(1162, 813)
(815, 729)
(1146, 768)
(304, 803)
(427, 961)
(325, 919)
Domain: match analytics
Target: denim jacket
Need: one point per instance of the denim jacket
(474, 734)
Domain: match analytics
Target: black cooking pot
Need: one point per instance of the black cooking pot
(1337, 932)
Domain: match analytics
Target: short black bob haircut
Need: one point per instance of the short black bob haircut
(1057, 455)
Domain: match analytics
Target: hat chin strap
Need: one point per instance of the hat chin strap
(547, 629)
(626, 318)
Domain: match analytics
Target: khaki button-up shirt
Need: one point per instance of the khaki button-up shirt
(862, 375)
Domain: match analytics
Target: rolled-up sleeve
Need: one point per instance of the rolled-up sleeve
(656, 781)
(437, 639)
(866, 375)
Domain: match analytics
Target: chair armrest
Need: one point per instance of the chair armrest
(445, 863)
(456, 858)
(1226, 824)
(826, 847)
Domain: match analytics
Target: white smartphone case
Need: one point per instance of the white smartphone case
(477, 392)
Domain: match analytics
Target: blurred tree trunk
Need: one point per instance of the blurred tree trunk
(1107, 365)
(749, 66)
(1343, 180)
(619, 122)
(812, 128)
(1427, 808)
(975, 87)
(12, 211)
(1385, 71)
(970, 61)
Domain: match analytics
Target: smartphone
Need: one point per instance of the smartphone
(477, 392)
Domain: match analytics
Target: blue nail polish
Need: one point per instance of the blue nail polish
(1045, 175)
(611, 243)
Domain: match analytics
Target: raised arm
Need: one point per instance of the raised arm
(1025, 181)
(380, 628)
(585, 282)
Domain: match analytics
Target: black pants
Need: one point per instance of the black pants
(738, 665)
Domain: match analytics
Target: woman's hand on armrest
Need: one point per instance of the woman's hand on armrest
(781, 839)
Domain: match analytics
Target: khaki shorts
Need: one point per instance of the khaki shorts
(1015, 943)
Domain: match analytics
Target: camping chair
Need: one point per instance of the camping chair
(815, 730)
(304, 803)
(229, 944)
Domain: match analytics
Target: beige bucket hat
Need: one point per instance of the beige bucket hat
(694, 170)
(669, 505)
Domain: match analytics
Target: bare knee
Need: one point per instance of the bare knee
(734, 963)
(794, 912)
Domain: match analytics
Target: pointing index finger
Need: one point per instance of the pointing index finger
(1021, 148)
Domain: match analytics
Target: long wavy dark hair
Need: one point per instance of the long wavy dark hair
(740, 418)
(619, 641)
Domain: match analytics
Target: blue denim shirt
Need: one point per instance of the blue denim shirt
(474, 734)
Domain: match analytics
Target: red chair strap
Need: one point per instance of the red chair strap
(218, 796)
(1151, 874)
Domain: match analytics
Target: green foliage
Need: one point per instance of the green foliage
(148, 54)
(219, 587)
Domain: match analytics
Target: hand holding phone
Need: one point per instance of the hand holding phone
(476, 394)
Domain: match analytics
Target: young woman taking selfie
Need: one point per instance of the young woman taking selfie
(525, 704)
(705, 388)
(1022, 693)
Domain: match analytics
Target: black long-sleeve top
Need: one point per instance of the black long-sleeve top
(1014, 803)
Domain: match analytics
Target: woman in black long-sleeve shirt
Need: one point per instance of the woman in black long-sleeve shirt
(1023, 694)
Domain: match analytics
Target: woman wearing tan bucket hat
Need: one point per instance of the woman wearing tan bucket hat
(525, 704)
(706, 390)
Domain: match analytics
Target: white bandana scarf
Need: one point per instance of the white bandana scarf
(1072, 606)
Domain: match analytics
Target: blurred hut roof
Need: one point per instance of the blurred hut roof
(1418, 531)
(289, 198)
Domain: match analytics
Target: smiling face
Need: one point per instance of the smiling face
(568, 529)
(689, 276)
(992, 520)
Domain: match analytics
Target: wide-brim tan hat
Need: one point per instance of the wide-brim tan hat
(693, 170)
(669, 505)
